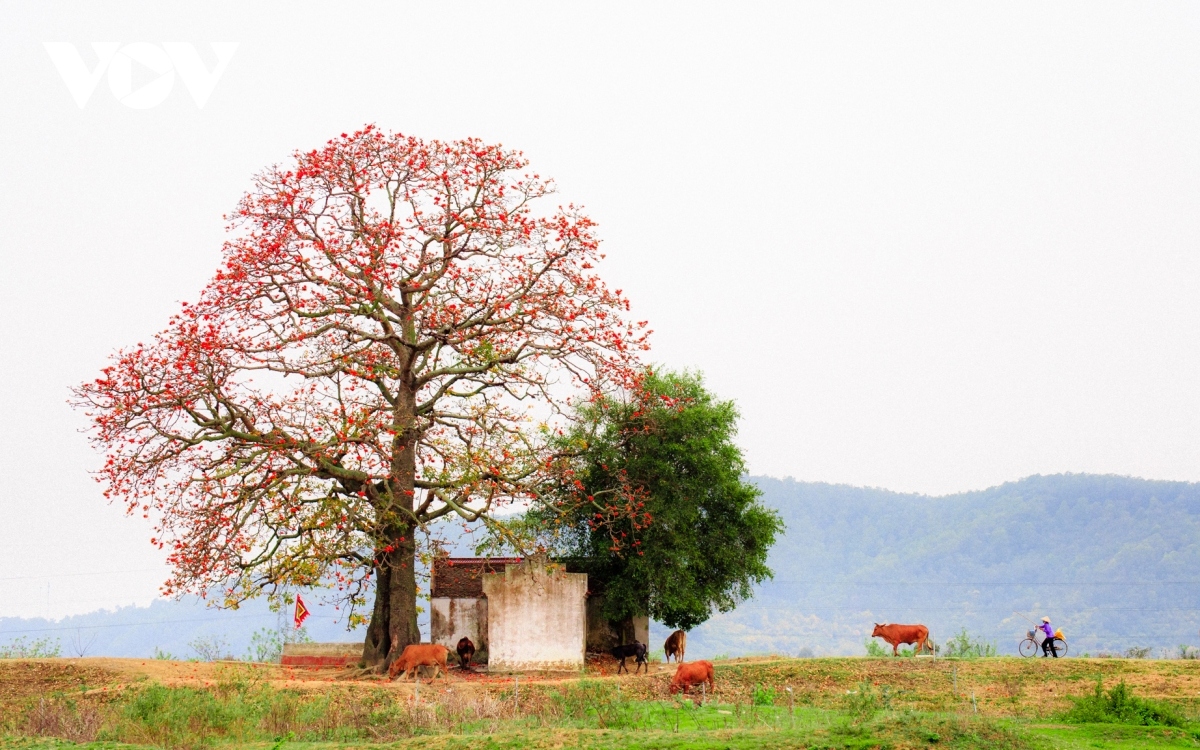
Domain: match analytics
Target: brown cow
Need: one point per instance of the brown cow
(417, 655)
(675, 646)
(687, 675)
(897, 634)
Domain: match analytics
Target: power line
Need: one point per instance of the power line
(72, 575)
(137, 624)
(802, 608)
(981, 583)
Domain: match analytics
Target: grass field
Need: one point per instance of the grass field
(832, 703)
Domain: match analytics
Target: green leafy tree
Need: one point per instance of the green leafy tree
(20, 648)
(657, 506)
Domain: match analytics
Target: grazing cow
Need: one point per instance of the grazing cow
(417, 655)
(636, 649)
(897, 634)
(687, 675)
(466, 650)
(675, 646)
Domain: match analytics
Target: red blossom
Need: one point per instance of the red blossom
(361, 363)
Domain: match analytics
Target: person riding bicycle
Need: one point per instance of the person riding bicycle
(1048, 644)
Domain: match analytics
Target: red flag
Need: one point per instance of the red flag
(301, 611)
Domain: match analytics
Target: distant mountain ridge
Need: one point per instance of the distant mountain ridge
(171, 627)
(1115, 561)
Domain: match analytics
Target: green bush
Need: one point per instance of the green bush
(593, 699)
(1120, 706)
(966, 647)
(864, 703)
(763, 696)
(42, 648)
(266, 644)
(874, 648)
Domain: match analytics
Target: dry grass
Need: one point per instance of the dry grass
(77, 698)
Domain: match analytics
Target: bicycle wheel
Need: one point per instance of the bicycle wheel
(1028, 647)
(1060, 646)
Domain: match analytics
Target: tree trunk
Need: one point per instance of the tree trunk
(394, 617)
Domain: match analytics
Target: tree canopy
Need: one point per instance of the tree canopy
(396, 330)
(667, 520)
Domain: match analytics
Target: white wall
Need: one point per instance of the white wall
(452, 619)
(537, 618)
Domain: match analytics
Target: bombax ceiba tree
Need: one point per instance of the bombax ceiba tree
(395, 328)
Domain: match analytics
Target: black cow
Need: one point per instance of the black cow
(636, 649)
(466, 650)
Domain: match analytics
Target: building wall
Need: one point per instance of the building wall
(321, 654)
(537, 617)
(462, 577)
(453, 618)
(603, 635)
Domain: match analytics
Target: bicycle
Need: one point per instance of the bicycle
(1031, 645)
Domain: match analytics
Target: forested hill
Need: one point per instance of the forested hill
(1115, 561)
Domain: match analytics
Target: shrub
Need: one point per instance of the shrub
(864, 703)
(1137, 652)
(763, 696)
(210, 648)
(266, 644)
(62, 719)
(874, 648)
(1120, 706)
(42, 648)
(966, 647)
(602, 701)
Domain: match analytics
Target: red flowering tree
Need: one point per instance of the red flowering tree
(394, 331)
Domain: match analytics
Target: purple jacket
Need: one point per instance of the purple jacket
(1049, 631)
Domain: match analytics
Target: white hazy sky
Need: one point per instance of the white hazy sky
(929, 247)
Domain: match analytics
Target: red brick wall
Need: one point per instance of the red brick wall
(462, 577)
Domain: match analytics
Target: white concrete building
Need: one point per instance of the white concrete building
(535, 617)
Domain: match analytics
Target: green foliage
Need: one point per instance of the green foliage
(266, 644)
(862, 704)
(595, 700)
(978, 556)
(874, 648)
(964, 646)
(1120, 706)
(163, 655)
(22, 648)
(763, 696)
(702, 542)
